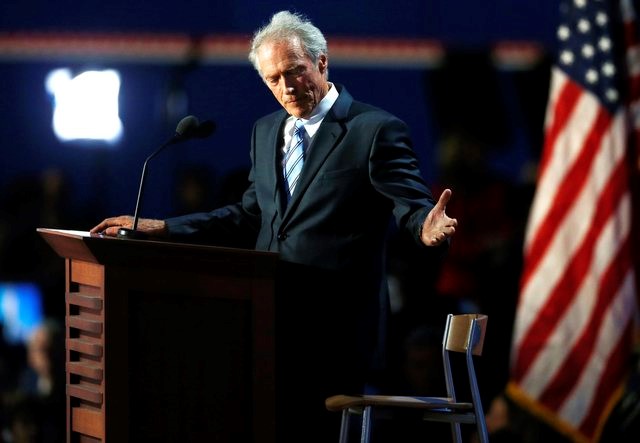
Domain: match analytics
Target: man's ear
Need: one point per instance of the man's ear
(322, 63)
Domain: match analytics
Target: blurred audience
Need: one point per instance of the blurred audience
(199, 189)
(33, 411)
(194, 190)
(32, 393)
(27, 203)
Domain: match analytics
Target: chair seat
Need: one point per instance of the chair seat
(340, 402)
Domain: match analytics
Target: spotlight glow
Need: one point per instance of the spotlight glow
(85, 106)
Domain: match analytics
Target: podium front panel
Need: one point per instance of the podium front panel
(176, 347)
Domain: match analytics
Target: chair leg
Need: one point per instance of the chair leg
(365, 436)
(482, 434)
(456, 433)
(344, 426)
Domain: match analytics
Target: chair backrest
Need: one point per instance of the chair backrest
(460, 334)
(464, 333)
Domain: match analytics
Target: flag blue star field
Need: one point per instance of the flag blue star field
(577, 309)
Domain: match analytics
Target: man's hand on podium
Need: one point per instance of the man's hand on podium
(110, 226)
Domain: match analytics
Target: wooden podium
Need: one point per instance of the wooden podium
(167, 342)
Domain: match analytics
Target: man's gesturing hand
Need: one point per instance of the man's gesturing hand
(438, 226)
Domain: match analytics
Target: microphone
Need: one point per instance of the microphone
(187, 129)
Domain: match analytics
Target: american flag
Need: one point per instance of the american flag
(577, 310)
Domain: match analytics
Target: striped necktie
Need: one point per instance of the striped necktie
(294, 158)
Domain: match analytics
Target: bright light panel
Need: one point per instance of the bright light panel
(20, 310)
(85, 106)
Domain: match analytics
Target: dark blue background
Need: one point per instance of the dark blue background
(104, 179)
(468, 22)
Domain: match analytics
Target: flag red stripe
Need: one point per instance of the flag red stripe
(560, 296)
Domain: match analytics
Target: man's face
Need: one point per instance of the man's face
(294, 80)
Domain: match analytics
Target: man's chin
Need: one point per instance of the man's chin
(297, 111)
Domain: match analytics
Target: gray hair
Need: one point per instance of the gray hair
(285, 25)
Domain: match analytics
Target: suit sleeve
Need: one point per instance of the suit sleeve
(395, 173)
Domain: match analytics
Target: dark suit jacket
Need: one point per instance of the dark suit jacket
(360, 172)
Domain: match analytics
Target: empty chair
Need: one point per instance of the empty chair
(463, 333)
